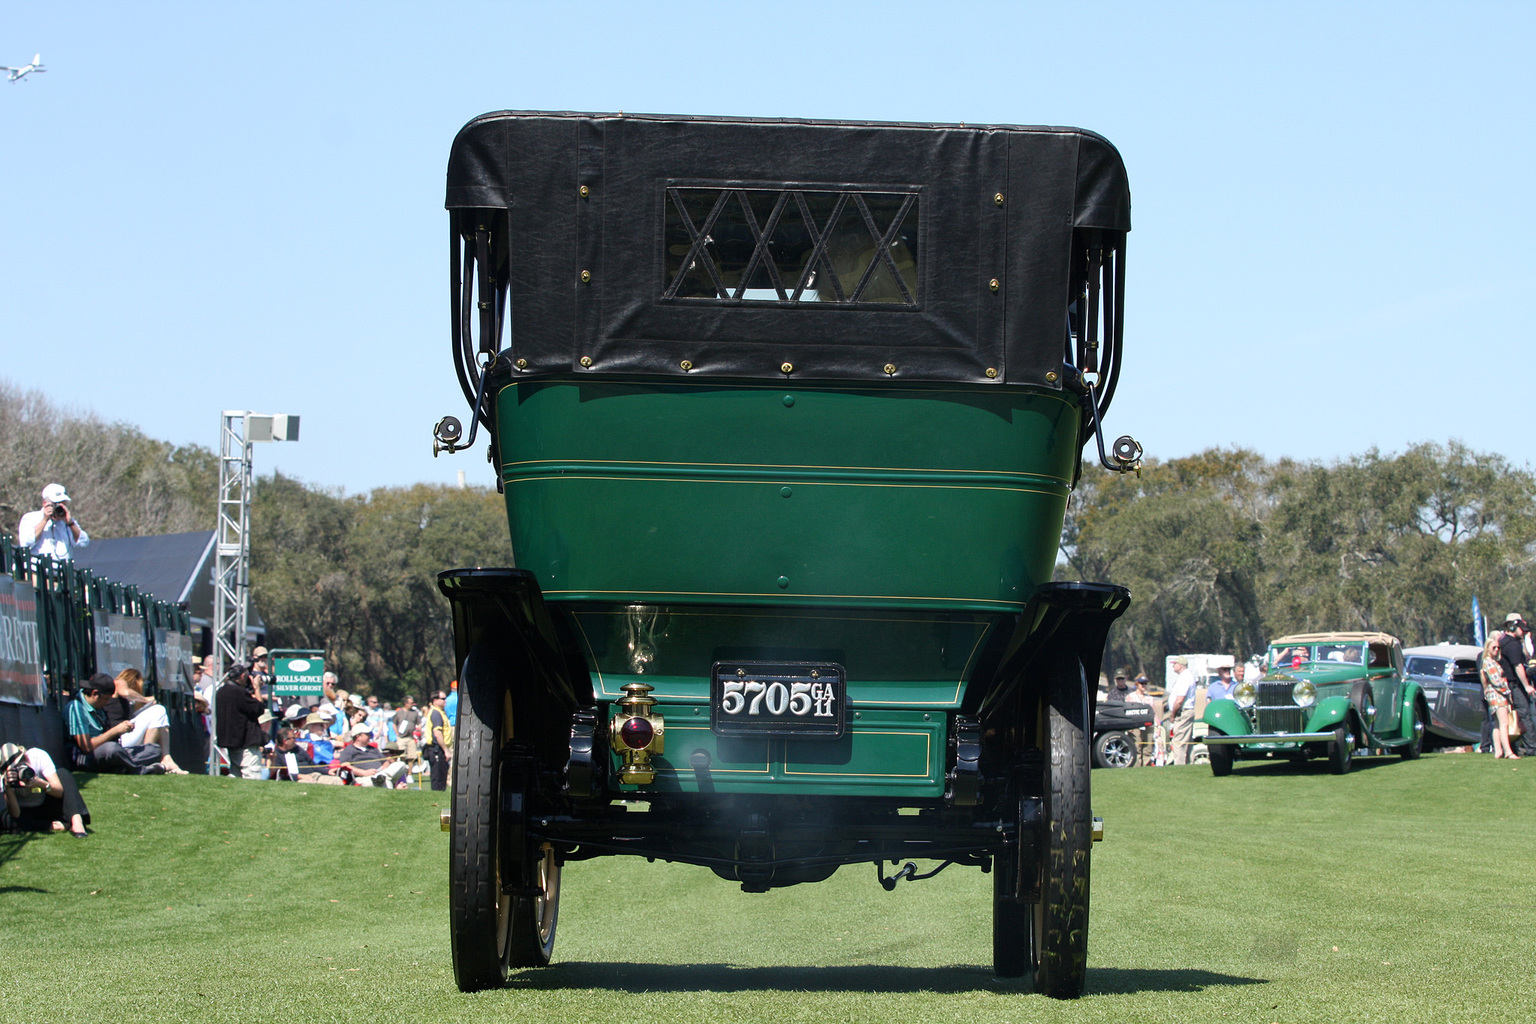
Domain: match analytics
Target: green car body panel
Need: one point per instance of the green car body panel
(931, 496)
(934, 509)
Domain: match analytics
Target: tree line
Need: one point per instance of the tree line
(352, 575)
(1224, 550)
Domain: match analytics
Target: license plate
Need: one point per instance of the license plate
(777, 698)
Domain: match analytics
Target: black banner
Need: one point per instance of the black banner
(119, 643)
(21, 669)
(173, 660)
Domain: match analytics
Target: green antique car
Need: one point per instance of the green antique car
(786, 414)
(1322, 695)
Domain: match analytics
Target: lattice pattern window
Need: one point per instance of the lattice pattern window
(791, 246)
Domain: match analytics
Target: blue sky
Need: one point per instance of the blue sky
(239, 205)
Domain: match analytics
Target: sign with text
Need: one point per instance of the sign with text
(119, 643)
(173, 660)
(21, 665)
(298, 676)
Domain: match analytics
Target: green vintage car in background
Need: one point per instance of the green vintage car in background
(786, 414)
(1322, 695)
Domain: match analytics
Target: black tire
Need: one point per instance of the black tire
(1221, 757)
(1341, 751)
(493, 931)
(1114, 750)
(1415, 745)
(1051, 937)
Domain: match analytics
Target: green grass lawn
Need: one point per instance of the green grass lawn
(1397, 893)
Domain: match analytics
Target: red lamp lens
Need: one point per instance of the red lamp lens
(636, 733)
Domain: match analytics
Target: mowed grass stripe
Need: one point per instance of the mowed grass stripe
(1277, 894)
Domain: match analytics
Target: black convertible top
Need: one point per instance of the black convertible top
(622, 243)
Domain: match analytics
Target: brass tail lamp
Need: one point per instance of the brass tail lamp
(637, 732)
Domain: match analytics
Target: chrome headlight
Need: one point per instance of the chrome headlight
(1304, 694)
(1244, 694)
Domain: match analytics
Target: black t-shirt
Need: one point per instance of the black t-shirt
(1511, 653)
(116, 711)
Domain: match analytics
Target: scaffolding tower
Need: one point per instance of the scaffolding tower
(232, 549)
(238, 431)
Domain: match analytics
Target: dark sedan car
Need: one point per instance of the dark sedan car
(1448, 673)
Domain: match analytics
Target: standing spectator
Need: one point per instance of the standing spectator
(1496, 696)
(407, 722)
(1119, 690)
(381, 721)
(451, 706)
(1221, 687)
(328, 701)
(52, 529)
(38, 791)
(1522, 691)
(1147, 749)
(1181, 711)
(435, 733)
(238, 707)
(202, 678)
(96, 746)
(1139, 694)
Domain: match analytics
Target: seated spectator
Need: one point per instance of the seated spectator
(39, 794)
(97, 747)
(367, 765)
(287, 758)
(317, 741)
(357, 718)
(151, 724)
(343, 706)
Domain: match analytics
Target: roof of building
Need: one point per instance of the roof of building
(167, 567)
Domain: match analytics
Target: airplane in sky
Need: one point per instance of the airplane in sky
(17, 74)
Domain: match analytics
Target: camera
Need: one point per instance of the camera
(59, 511)
(19, 774)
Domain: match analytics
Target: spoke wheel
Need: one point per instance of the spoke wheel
(1341, 751)
(1050, 937)
(504, 893)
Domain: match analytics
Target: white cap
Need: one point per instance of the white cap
(55, 493)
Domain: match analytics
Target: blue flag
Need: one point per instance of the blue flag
(1479, 628)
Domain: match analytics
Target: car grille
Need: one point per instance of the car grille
(1276, 710)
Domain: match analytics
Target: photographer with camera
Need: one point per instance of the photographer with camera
(237, 711)
(52, 529)
(39, 792)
